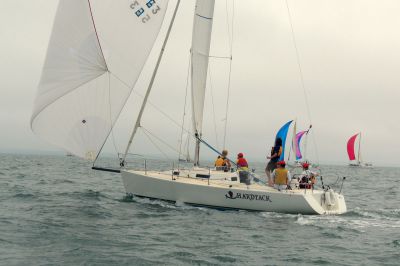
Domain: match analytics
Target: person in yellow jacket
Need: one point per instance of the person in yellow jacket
(281, 176)
(219, 162)
(222, 163)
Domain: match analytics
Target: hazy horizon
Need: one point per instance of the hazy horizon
(348, 53)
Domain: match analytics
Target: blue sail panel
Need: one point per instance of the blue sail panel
(282, 133)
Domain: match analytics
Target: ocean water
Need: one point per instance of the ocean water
(56, 211)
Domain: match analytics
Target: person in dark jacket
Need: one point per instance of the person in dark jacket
(276, 152)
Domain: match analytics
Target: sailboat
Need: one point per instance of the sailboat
(90, 70)
(355, 161)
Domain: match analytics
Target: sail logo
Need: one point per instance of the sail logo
(146, 12)
(247, 196)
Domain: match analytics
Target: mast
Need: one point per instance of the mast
(306, 142)
(197, 152)
(187, 150)
(293, 145)
(359, 146)
(137, 124)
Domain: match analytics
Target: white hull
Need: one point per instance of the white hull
(361, 165)
(220, 193)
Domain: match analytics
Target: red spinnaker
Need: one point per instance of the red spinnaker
(350, 147)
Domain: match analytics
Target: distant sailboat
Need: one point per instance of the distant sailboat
(355, 161)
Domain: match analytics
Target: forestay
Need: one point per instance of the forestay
(96, 52)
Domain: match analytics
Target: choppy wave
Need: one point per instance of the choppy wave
(55, 211)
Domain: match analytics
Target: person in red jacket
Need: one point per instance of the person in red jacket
(241, 162)
(243, 169)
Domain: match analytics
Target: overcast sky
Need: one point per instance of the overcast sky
(349, 53)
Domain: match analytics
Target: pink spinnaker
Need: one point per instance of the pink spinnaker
(297, 144)
(350, 147)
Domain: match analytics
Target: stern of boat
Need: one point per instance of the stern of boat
(327, 202)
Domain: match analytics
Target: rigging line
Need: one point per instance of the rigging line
(298, 62)
(155, 145)
(230, 75)
(301, 73)
(150, 103)
(150, 85)
(112, 128)
(160, 140)
(212, 56)
(97, 35)
(235, 164)
(110, 131)
(184, 105)
(219, 57)
(290, 150)
(213, 105)
(228, 26)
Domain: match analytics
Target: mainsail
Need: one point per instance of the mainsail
(350, 147)
(282, 133)
(201, 39)
(96, 52)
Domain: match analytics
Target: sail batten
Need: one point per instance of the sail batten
(78, 99)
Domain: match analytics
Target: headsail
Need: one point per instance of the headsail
(297, 144)
(350, 147)
(282, 133)
(201, 39)
(96, 52)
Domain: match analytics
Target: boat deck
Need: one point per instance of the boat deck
(230, 180)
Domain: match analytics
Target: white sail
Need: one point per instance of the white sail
(96, 53)
(202, 27)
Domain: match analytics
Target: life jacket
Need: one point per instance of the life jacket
(220, 162)
(277, 150)
(281, 176)
(241, 162)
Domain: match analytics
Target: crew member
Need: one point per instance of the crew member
(243, 169)
(281, 176)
